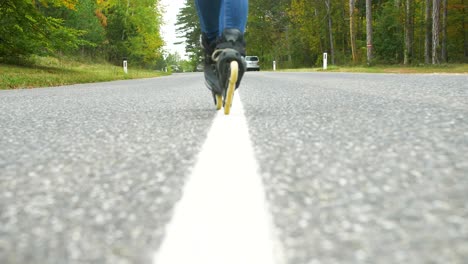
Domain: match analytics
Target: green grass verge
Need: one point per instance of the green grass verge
(446, 68)
(49, 71)
(46, 72)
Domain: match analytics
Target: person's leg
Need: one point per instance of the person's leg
(233, 15)
(232, 23)
(209, 13)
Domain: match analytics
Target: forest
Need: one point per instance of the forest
(105, 29)
(294, 33)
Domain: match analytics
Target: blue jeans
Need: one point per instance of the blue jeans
(217, 15)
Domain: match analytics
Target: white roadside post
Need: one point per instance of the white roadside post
(325, 61)
(125, 65)
(274, 65)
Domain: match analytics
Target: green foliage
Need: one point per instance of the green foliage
(112, 28)
(294, 33)
(133, 31)
(188, 27)
(144, 40)
(186, 66)
(388, 34)
(173, 59)
(25, 30)
(84, 18)
(457, 27)
(269, 32)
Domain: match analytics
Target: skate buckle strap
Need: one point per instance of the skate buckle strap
(228, 52)
(215, 55)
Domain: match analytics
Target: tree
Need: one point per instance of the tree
(352, 32)
(25, 30)
(388, 37)
(444, 56)
(295, 33)
(369, 30)
(144, 39)
(273, 34)
(435, 31)
(330, 31)
(464, 32)
(188, 27)
(85, 18)
(409, 32)
(428, 34)
(133, 31)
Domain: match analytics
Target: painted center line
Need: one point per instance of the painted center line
(223, 216)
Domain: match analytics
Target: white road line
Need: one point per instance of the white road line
(222, 217)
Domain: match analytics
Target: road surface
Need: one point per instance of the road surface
(324, 167)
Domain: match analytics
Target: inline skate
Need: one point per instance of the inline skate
(224, 66)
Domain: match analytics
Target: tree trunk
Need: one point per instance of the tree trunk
(465, 33)
(435, 31)
(288, 46)
(352, 33)
(397, 4)
(369, 30)
(409, 33)
(344, 29)
(398, 9)
(427, 40)
(444, 56)
(322, 41)
(330, 31)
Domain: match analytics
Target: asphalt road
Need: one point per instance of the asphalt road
(358, 168)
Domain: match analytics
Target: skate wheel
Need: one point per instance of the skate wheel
(219, 101)
(231, 87)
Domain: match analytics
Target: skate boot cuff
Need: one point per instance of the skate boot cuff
(232, 38)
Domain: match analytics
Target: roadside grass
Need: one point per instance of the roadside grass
(49, 71)
(444, 68)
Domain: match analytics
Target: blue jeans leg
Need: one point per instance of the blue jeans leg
(217, 15)
(208, 13)
(233, 15)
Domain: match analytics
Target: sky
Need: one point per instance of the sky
(168, 29)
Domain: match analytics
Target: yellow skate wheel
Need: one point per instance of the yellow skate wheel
(231, 87)
(219, 101)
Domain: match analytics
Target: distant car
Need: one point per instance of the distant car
(252, 63)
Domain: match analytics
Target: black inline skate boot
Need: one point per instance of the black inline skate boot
(230, 64)
(209, 69)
